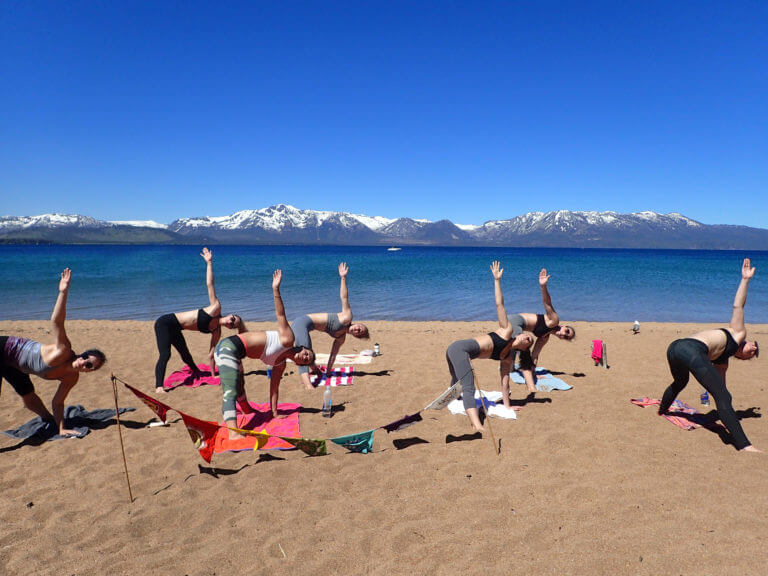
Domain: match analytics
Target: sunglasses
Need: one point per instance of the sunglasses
(88, 364)
(757, 350)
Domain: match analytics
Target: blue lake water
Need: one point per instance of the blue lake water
(423, 283)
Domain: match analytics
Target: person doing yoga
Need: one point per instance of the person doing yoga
(705, 355)
(543, 326)
(20, 357)
(497, 345)
(206, 320)
(273, 348)
(337, 326)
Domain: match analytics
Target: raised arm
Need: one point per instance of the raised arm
(283, 328)
(208, 257)
(549, 310)
(737, 317)
(498, 272)
(60, 313)
(346, 311)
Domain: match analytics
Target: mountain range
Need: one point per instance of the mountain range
(284, 224)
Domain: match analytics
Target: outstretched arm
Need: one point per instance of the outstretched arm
(208, 257)
(536, 350)
(346, 311)
(737, 317)
(60, 312)
(337, 342)
(283, 328)
(57, 405)
(215, 337)
(274, 389)
(498, 272)
(549, 310)
(506, 367)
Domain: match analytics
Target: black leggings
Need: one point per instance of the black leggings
(692, 356)
(168, 333)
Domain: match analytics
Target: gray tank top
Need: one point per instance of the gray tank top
(333, 325)
(24, 355)
(518, 324)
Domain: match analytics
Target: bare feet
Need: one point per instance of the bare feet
(160, 391)
(235, 435)
(750, 448)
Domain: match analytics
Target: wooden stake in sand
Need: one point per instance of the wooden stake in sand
(120, 433)
(487, 417)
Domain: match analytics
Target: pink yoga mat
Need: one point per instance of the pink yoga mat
(184, 377)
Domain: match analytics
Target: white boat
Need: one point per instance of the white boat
(393, 249)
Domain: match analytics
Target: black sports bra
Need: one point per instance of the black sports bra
(541, 327)
(731, 347)
(204, 321)
(498, 345)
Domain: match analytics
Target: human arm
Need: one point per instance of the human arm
(274, 389)
(498, 272)
(549, 310)
(337, 342)
(739, 301)
(212, 299)
(59, 314)
(346, 310)
(215, 337)
(57, 405)
(505, 366)
(537, 347)
(283, 328)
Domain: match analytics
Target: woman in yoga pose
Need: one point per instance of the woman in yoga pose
(337, 326)
(496, 345)
(705, 355)
(20, 357)
(543, 326)
(207, 320)
(273, 348)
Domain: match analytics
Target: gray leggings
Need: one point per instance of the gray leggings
(301, 328)
(229, 361)
(458, 355)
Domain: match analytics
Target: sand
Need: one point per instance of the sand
(586, 483)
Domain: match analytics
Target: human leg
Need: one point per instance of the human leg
(458, 356)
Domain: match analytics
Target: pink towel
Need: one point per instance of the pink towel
(184, 377)
(679, 408)
(597, 351)
(341, 376)
(261, 420)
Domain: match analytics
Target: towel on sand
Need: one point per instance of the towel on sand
(261, 420)
(184, 377)
(493, 409)
(341, 376)
(76, 418)
(355, 358)
(545, 382)
(681, 414)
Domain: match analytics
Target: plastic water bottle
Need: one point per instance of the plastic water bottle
(636, 327)
(376, 349)
(327, 402)
(269, 372)
(705, 398)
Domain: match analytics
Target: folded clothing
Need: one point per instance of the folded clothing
(490, 400)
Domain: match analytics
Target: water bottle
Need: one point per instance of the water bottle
(705, 398)
(636, 327)
(327, 402)
(269, 372)
(376, 349)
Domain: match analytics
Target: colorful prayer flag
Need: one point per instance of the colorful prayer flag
(160, 409)
(308, 446)
(261, 437)
(445, 398)
(403, 423)
(362, 442)
(203, 434)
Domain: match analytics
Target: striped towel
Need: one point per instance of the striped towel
(341, 376)
(678, 406)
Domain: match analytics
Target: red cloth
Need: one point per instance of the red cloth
(261, 420)
(597, 351)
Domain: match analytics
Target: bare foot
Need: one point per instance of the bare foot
(235, 435)
(160, 391)
(480, 429)
(750, 448)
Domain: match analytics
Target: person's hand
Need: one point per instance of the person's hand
(277, 277)
(207, 255)
(343, 269)
(747, 271)
(543, 277)
(497, 270)
(66, 276)
(750, 448)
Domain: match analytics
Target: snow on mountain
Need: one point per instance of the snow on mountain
(49, 221)
(139, 223)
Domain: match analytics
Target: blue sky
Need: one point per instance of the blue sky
(469, 111)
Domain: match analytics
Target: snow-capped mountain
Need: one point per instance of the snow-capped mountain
(285, 224)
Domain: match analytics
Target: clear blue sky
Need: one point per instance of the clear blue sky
(470, 111)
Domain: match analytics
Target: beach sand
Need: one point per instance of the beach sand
(586, 482)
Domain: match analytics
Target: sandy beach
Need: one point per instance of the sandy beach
(586, 482)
